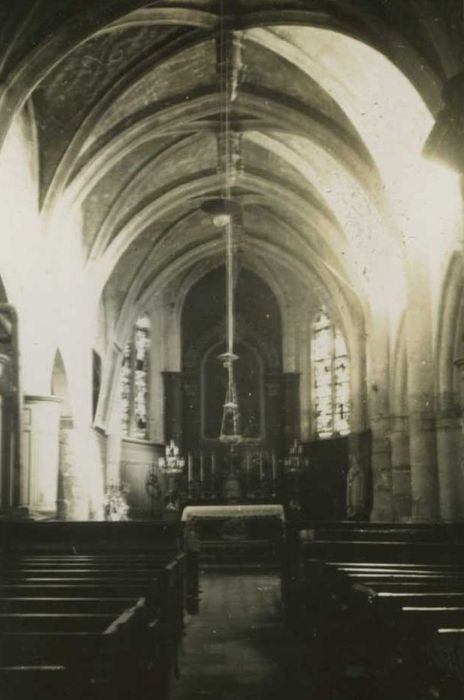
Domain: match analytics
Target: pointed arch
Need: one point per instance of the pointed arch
(60, 385)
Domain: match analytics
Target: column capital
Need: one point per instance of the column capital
(39, 398)
(453, 93)
(444, 142)
(381, 425)
(399, 424)
(422, 420)
(448, 413)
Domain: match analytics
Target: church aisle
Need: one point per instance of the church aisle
(237, 648)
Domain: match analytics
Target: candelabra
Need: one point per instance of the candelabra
(172, 465)
(294, 464)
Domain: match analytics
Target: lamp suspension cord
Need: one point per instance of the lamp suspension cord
(225, 126)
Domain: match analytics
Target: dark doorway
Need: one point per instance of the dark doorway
(323, 483)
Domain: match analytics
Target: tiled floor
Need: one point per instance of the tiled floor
(236, 648)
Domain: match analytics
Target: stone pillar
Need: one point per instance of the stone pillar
(424, 474)
(72, 500)
(421, 387)
(173, 408)
(401, 469)
(40, 441)
(459, 455)
(449, 439)
(9, 435)
(379, 411)
(291, 402)
(382, 506)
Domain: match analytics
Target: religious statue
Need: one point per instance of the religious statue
(115, 501)
(355, 490)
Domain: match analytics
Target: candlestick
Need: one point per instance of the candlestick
(274, 466)
(202, 468)
(190, 467)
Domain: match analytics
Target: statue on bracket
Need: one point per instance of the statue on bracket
(355, 490)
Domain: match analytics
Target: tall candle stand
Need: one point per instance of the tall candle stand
(294, 464)
(274, 474)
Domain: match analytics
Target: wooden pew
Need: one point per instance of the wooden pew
(88, 537)
(66, 590)
(106, 660)
(395, 594)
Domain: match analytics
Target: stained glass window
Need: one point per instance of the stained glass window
(330, 370)
(134, 382)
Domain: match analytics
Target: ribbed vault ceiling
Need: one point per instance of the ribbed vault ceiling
(127, 101)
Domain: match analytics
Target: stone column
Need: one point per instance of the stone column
(113, 437)
(449, 438)
(459, 455)
(72, 501)
(10, 497)
(291, 386)
(40, 440)
(173, 408)
(7, 471)
(401, 469)
(379, 411)
(382, 507)
(421, 387)
(424, 474)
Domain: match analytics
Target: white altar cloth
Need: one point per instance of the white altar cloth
(231, 511)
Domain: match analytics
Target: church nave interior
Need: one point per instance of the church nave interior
(231, 348)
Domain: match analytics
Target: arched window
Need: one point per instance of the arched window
(134, 382)
(330, 370)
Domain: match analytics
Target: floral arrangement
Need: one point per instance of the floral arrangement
(115, 501)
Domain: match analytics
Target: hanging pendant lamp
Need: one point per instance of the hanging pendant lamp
(225, 211)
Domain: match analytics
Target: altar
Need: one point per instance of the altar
(235, 534)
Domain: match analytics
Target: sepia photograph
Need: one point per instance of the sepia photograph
(231, 350)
